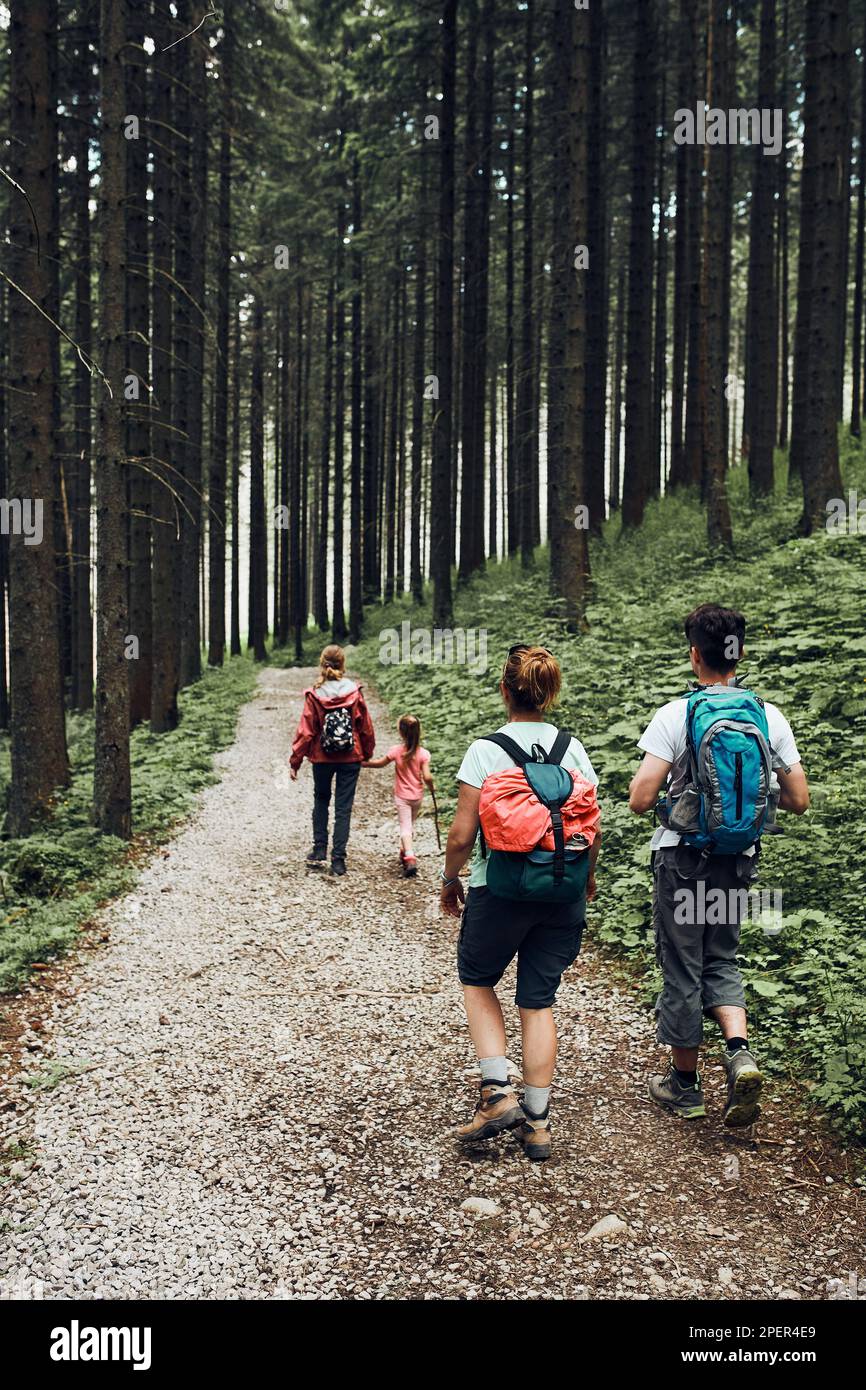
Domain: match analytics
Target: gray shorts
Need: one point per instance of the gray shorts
(697, 937)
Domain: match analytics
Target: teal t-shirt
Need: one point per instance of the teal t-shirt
(484, 758)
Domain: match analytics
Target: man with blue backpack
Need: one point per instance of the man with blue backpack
(728, 760)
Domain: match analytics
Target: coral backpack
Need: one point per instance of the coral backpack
(538, 820)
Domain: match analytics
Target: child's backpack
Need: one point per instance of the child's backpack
(338, 731)
(724, 808)
(538, 821)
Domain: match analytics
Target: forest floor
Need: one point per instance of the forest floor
(245, 1085)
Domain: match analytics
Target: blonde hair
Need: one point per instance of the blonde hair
(409, 729)
(332, 665)
(532, 678)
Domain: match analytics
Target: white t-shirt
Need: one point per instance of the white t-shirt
(483, 758)
(665, 737)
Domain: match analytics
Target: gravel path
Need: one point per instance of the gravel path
(265, 1066)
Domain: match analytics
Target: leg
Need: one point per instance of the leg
(538, 1031)
(725, 1000)
(679, 953)
(347, 782)
(486, 1024)
(404, 817)
(322, 776)
(732, 1021)
(489, 935)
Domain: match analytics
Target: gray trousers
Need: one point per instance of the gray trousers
(697, 934)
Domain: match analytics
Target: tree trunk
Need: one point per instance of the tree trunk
(712, 337)
(165, 557)
(762, 343)
(440, 500)
(38, 739)
(138, 445)
(637, 477)
(219, 446)
(569, 555)
(81, 618)
(808, 182)
(857, 329)
(524, 410)
(258, 582)
(416, 570)
(320, 587)
(684, 153)
(596, 280)
(828, 110)
(356, 568)
(235, 614)
(112, 795)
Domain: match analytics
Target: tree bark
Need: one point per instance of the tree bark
(440, 500)
(38, 739)
(112, 793)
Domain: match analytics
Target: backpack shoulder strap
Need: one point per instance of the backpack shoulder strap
(559, 747)
(508, 745)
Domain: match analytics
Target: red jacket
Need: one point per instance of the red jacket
(332, 695)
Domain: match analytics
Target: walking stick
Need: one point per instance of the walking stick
(436, 821)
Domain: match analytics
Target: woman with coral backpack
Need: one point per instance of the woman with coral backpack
(527, 807)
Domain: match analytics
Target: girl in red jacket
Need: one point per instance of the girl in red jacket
(336, 733)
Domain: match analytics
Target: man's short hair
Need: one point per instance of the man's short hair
(718, 633)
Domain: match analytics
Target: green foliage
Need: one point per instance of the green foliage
(53, 882)
(805, 600)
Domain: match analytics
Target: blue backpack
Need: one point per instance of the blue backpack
(725, 806)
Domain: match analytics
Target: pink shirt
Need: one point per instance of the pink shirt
(407, 771)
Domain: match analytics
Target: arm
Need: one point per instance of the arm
(793, 790)
(647, 783)
(375, 762)
(593, 859)
(461, 838)
(428, 776)
(365, 730)
(306, 732)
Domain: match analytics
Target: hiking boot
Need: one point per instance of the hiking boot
(670, 1093)
(338, 867)
(410, 866)
(534, 1136)
(497, 1110)
(744, 1088)
(317, 855)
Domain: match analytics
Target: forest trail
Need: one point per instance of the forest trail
(268, 1064)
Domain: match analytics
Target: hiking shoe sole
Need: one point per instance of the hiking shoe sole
(742, 1108)
(536, 1153)
(510, 1120)
(691, 1112)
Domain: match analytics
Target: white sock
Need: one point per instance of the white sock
(536, 1100)
(494, 1069)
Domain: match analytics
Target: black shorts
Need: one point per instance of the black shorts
(545, 937)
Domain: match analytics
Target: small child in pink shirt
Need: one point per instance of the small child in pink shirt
(411, 775)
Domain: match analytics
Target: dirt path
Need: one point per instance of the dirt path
(267, 1065)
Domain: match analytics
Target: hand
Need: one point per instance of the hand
(590, 888)
(451, 899)
(293, 773)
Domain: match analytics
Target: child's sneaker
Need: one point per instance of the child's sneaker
(410, 865)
